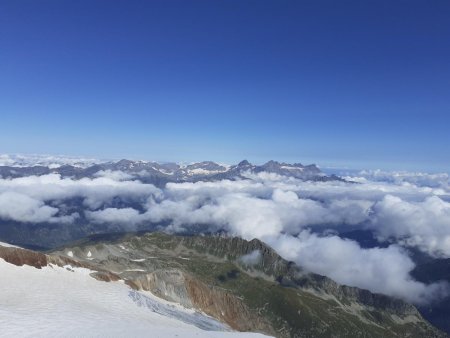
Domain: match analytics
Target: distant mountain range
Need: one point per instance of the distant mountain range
(161, 173)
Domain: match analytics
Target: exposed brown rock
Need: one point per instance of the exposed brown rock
(105, 276)
(132, 284)
(174, 285)
(168, 284)
(226, 307)
(21, 257)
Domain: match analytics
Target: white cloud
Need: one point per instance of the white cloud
(252, 258)
(115, 175)
(6, 160)
(424, 224)
(439, 180)
(124, 216)
(381, 270)
(52, 161)
(94, 191)
(22, 208)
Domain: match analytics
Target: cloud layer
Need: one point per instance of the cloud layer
(293, 216)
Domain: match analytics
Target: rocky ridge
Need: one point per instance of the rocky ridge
(267, 294)
(224, 278)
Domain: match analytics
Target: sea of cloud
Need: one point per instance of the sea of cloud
(51, 161)
(301, 220)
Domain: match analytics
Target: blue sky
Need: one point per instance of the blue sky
(361, 84)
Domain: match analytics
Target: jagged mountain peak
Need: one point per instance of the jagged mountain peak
(207, 165)
(244, 163)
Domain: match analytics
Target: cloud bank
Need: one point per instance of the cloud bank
(301, 220)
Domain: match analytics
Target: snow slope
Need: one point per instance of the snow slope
(55, 302)
(7, 245)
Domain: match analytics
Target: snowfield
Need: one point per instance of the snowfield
(67, 302)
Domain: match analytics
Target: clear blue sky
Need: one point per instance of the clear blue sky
(347, 83)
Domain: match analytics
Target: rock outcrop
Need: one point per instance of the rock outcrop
(19, 257)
